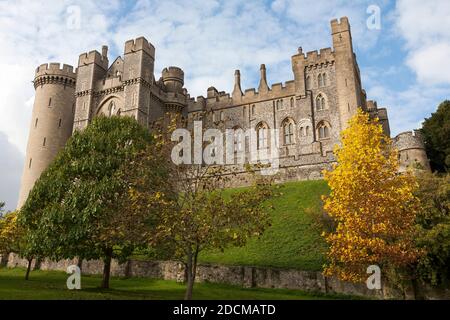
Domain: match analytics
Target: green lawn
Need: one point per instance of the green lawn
(292, 241)
(45, 285)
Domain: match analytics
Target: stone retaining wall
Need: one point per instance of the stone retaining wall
(245, 276)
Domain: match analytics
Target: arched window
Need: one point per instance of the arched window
(253, 109)
(292, 102)
(238, 135)
(308, 82)
(323, 129)
(288, 131)
(324, 79)
(112, 108)
(262, 132)
(319, 80)
(320, 103)
(307, 131)
(302, 131)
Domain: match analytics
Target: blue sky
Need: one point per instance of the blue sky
(404, 64)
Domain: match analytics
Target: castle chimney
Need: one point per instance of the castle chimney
(237, 91)
(263, 87)
(104, 52)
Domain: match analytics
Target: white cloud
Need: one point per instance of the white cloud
(425, 26)
(431, 64)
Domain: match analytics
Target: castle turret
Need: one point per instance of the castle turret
(173, 79)
(51, 121)
(411, 150)
(348, 82)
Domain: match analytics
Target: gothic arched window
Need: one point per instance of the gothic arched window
(262, 132)
(320, 103)
(288, 131)
(319, 80)
(112, 108)
(238, 135)
(323, 129)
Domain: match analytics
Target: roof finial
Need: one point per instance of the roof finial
(237, 91)
(263, 87)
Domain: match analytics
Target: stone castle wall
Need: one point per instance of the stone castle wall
(243, 276)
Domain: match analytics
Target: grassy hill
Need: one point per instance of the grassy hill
(293, 241)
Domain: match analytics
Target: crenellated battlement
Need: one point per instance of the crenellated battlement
(93, 57)
(341, 25)
(323, 56)
(56, 70)
(53, 73)
(409, 140)
(173, 73)
(139, 44)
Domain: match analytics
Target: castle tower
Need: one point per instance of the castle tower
(139, 59)
(411, 150)
(173, 79)
(348, 82)
(92, 68)
(51, 121)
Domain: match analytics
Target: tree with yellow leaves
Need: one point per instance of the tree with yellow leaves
(374, 206)
(9, 233)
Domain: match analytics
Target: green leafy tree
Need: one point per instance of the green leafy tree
(436, 132)
(80, 206)
(433, 223)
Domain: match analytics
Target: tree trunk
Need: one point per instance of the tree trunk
(80, 263)
(106, 268)
(4, 260)
(37, 263)
(190, 278)
(191, 268)
(27, 275)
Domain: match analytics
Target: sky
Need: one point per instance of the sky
(402, 49)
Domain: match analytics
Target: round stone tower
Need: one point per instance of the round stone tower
(51, 121)
(411, 150)
(173, 79)
(176, 96)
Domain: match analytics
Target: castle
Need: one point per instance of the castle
(309, 111)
